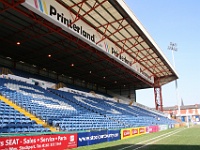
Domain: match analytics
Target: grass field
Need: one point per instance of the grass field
(172, 139)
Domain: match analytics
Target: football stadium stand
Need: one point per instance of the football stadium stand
(27, 107)
(69, 72)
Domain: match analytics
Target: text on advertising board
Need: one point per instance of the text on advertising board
(93, 137)
(44, 142)
(135, 131)
(126, 133)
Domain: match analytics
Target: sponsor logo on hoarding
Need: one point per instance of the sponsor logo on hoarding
(126, 133)
(134, 131)
(141, 130)
(150, 129)
(72, 138)
(97, 137)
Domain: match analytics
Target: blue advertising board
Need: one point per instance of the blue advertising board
(83, 138)
(98, 137)
(113, 135)
(94, 137)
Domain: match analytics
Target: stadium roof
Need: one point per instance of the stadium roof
(71, 56)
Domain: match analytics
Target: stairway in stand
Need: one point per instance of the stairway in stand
(27, 114)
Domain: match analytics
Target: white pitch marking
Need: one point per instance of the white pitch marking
(156, 140)
(149, 140)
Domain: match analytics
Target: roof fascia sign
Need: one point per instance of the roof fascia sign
(60, 16)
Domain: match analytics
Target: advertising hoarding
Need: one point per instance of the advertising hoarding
(44, 142)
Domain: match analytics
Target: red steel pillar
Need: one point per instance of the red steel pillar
(158, 96)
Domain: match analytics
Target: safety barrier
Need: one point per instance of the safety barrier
(163, 127)
(177, 125)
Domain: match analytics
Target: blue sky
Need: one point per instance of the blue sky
(175, 21)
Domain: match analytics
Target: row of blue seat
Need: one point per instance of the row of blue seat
(12, 121)
(23, 129)
(71, 111)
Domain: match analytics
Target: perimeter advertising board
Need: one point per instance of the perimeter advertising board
(62, 17)
(41, 142)
(94, 137)
(163, 127)
(131, 132)
(177, 125)
(169, 126)
(152, 129)
(125, 133)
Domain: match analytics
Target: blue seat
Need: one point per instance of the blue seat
(25, 129)
(18, 130)
(11, 130)
(3, 130)
(31, 129)
(68, 111)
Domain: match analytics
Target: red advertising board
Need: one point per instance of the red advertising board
(41, 142)
(152, 129)
(142, 130)
(134, 131)
(126, 133)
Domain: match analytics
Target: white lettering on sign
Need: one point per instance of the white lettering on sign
(11, 142)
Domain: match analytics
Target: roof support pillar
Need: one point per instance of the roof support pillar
(158, 95)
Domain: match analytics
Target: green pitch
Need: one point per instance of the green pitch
(172, 139)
